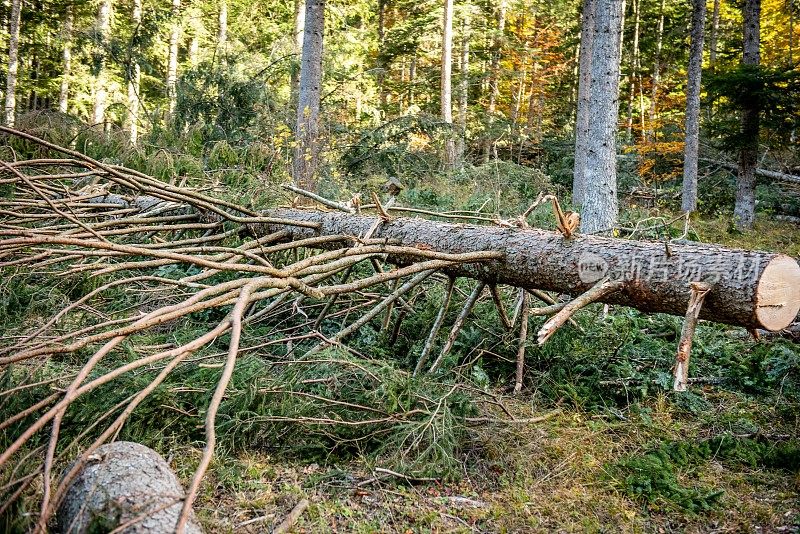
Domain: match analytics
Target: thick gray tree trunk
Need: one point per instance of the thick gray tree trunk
(446, 83)
(172, 58)
(489, 147)
(13, 62)
(744, 213)
(306, 156)
(463, 87)
(600, 209)
(103, 28)
(124, 482)
(297, 42)
(751, 289)
(692, 142)
(66, 57)
(584, 94)
(134, 77)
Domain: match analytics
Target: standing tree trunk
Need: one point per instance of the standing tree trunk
(172, 60)
(691, 146)
(63, 95)
(299, 26)
(584, 94)
(134, 76)
(712, 44)
(463, 87)
(494, 88)
(13, 62)
(600, 208)
(222, 33)
(306, 156)
(635, 67)
(446, 89)
(381, 64)
(744, 212)
(101, 89)
(656, 73)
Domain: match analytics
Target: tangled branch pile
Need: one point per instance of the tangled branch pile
(116, 237)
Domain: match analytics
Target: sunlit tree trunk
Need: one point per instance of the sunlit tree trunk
(600, 208)
(134, 76)
(446, 82)
(222, 33)
(535, 102)
(194, 49)
(744, 212)
(306, 157)
(489, 146)
(13, 62)
(712, 44)
(635, 67)
(463, 87)
(656, 73)
(691, 146)
(299, 26)
(101, 81)
(381, 65)
(584, 95)
(412, 77)
(66, 57)
(172, 59)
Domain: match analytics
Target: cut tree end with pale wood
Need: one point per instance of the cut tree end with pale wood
(778, 293)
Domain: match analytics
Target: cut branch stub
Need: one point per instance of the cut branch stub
(699, 292)
(751, 289)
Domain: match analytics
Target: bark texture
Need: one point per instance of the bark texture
(584, 93)
(600, 210)
(692, 143)
(103, 29)
(463, 87)
(222, 32)
(446, 82)
(13, 62)
(306, 156)
(134, 78)
(66, 55)
(172, 59)
(656, 281)
(494, 74)
(124, 482)
(744, 212)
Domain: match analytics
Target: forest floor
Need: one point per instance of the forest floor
(722, 458)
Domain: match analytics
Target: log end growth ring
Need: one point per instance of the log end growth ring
(778, 293)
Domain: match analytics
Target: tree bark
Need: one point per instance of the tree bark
(66, 56)
(744, 212)
(446, 83)
(584, 94)
(463, 87)
(306, 156)
(749, 288)
(712, 45)
(381, 63)
(101, 81)
(692, 143)
(635, 68)
(494, 74)
(13, 62)
(124, 482)
(600, 209)
(222, 33)
(651, 132)
(172, 59)
(134, 77)
(299, 27)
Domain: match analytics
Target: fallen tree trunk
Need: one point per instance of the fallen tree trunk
(124, 486)
(749, 288)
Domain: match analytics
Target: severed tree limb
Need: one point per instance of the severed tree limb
(451, 339)
(544, 297)
(598, 291)
(437, 324)
(292, 518)
(501, 309)
(681, 370)
(523, 339)
(322, 200)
